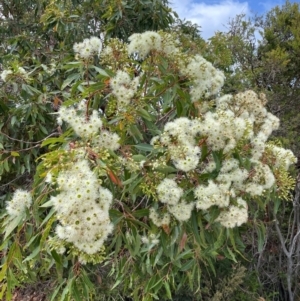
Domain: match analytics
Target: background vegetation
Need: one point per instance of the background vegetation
(39, 37)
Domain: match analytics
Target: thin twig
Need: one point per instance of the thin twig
(12, 181)
(36, 142)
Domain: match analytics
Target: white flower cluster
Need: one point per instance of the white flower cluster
(82, 208)
(51, 68)
(5, 74)
(262, 178)
(232, 181)
(159, 219)
(170, 193)
(284, 157)
(179, 137)
(142, 43)
(207, 80)
(248, 108)
(84, 126)
(21, 200)
(223, 130)
(241, 121)
(107, 140)
(235, 215)
(21, 73)
(219, 194)
(124, 88)
(152, 239)
(212, 194)
(88, 48)
(89, 127)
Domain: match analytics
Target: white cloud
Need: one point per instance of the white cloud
(211, 17)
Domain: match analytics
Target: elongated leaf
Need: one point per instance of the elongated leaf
(261, 233)
(144, 147)
(168, 290)
(53, 141)
(13, 224)
(34, 253)
(71, 78)
(188, 265)
(145, 114)
(101, 71)
(229, 254)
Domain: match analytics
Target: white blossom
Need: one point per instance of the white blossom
(17, 205)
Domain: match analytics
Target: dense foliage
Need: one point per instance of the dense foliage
(262, 54)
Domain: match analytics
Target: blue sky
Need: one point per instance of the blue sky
(213, 15)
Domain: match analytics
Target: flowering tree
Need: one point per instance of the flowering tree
(152, 175)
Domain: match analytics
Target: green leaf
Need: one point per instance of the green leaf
(144, 147)
(168, 290)
(220, 240)
(27, 162)
(13, 120)
(47, 204)
(75, 293)
(261, 233)
(43, 129)
(229, 254)
(140, 213)
(13, 224)
(139, 158)
(116, 284)
(135, 132)
(5, 165)
(145, 114)
(3, 271)
(53, 297)
(188, 265)
(166, 169)
(56, 257)
(14, 154)
(218, 155)
(34, 253)
(101, 71)
(195, 228)
(71, 78)
(277, 202)
(53, 141)
(179, 108)
(158, 256)
(3, 290)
